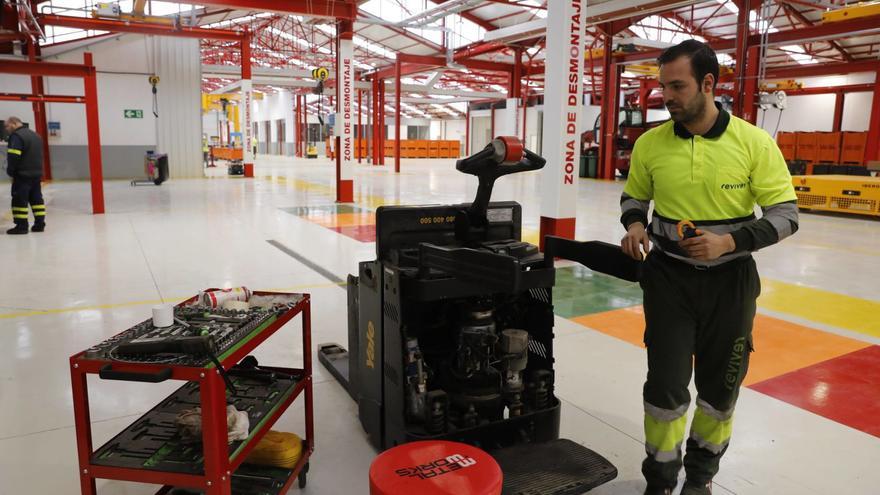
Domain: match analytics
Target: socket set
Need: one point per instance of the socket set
(197, 333)
(153, 442)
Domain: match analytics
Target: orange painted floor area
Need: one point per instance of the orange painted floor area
(780, 346)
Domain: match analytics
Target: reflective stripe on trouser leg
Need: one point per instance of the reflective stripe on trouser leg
(39, 210)
(664, 431)
(20, 213)
(711, 428)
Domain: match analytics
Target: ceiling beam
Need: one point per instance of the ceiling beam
(822, 32)
(115, 26)
(847, 88)
(334, 9)
(801, 17)
(796, 71)
(488, 26)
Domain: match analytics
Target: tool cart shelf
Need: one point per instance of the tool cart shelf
(150, 451)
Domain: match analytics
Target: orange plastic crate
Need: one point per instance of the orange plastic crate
(454, 149)
(408, 149)
(227, 153)
(787, 142)
(853, 147)
(421, 148)
(829, 147)
(433, 149)
(807, 146)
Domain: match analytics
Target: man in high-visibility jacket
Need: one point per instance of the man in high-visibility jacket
(24, 164)
(705, 170)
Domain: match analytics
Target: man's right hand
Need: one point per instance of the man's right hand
(635, 241)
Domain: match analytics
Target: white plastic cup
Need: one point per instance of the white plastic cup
(163, 315)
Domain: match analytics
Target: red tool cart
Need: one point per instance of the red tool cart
(146, 451)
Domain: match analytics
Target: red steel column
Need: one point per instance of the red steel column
(872, 147)
(840, 96)
(610, 110)
(359, 130)
(246, 95)
(93, 131)
(305, 115)
(750, 87)
(375, 127)
(741, 54)
(297, 118)
(397, 115)
(644, 93)
(39, 108)
(382, 130)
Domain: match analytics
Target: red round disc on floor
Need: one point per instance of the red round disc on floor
(435, 468)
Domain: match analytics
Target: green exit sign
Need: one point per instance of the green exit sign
(134, 114)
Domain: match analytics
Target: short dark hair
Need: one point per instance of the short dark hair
(703, 59)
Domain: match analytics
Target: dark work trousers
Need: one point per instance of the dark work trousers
(701, 320)
(26, 191)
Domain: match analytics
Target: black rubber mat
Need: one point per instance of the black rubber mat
(557, 467)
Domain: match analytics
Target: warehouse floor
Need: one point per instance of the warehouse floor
(808, 420)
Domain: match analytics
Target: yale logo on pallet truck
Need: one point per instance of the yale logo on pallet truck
(371, 345)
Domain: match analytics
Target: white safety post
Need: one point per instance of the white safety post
(562, 109)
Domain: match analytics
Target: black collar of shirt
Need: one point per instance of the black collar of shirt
(715, 131)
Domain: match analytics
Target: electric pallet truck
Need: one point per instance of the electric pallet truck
(450, 332)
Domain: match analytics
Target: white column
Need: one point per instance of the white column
(562, 109)
(345, 97)
(245, 115)
(510, 125)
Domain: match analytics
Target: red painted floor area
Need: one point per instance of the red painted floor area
(844, 389)
(363, 233)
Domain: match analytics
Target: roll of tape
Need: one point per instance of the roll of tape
(163, 315)
(236, 305)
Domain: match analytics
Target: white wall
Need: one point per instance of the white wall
(856, 111)
(123, 65)
(179, 130)
(454, 130)
(816, 112)
(120, 86)
(435, 130)
(16, 84)
(274, 107)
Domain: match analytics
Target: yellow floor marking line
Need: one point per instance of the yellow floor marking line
(830, 308)
(366, 200)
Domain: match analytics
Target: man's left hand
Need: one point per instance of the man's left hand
(707, 246)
